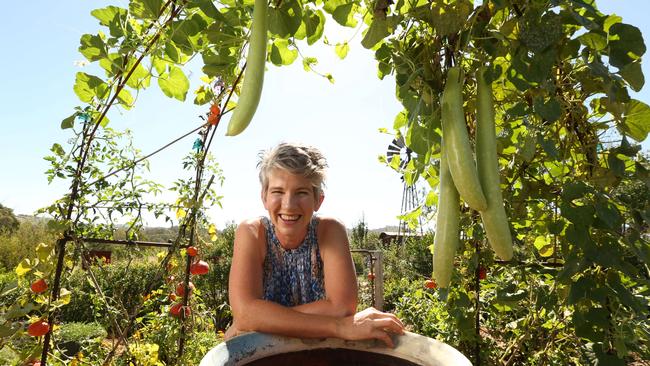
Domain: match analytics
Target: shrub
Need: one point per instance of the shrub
(22, 242)
(73, 337)
(125, 284)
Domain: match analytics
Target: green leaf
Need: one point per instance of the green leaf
(6, 331)
(592, 324)
(574, 190)
(107, 15)
(449, 17)
(112, 17)
(636, 120)
(615, 164)
(88, 87)
(92, 47)
(594, 40)
(69, 121)
(174, 84)
(549, 110)
(633, 74)
(543, 246)
(580, 290)
(147, 9)
(204, 94)
(281, 54)
(344, 15)
(58, 150)
(172, 52)
(376, 33)
(140, 76)
(309, 62)
(581, 216)
(286, 20)
(125, 98)
(625, 44)
(314, 24)
(400, 120)
(23, 267)
(342, 50)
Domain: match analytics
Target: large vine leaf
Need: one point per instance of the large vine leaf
(112, 17)
(93, 47)
(449, 17)
(636, 122)
(280, 53)
(312, 26)
(625, 44)
(378, 31)
(286, 20)
(145, 9)
(633, 74)
(174, 83)
(87, 87)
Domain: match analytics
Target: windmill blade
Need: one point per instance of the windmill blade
(395, 147)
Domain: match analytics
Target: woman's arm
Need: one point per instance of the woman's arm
(325, 318)
(340, 277)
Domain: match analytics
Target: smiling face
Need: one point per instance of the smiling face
(291, 202)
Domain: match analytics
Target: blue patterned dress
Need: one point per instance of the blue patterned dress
(293, 276)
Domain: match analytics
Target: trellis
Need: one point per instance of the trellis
(187, 230)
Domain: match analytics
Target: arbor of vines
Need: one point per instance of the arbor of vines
(571, 168)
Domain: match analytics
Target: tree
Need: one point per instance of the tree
(8, 221)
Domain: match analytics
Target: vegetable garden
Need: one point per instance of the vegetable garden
(540, 189)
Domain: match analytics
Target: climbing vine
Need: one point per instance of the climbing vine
(573, 176)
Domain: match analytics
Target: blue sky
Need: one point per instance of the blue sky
(39, 44)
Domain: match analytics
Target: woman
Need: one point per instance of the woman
(292, 273)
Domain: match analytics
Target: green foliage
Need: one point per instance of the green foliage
(564, 117)
(23, 242)
(8, 221)
(214, 285)
(74, 337)
(124, 283)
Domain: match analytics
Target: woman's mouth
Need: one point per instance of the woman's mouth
(289, 218)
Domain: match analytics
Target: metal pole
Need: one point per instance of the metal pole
(56, 289)
(378, 289)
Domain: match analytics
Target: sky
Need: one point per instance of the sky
(39, 41)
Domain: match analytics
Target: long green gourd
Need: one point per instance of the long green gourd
(459, 152)
(495, 221)
(251, 89)
(446, 239)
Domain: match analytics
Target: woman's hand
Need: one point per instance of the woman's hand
(370, 324)
(232, 331)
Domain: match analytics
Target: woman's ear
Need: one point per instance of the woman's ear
(263, 197)
(319, 201)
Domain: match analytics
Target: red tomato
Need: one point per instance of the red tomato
(430, 284)
(192, 251)
(180, 288)
(38, 286)
(175, 310)
(199, 268)
(214, 116)
(482, 273)
(38, 328)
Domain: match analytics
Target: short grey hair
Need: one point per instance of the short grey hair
(297, 159)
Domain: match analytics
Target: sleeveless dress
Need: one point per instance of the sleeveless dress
(293, 276)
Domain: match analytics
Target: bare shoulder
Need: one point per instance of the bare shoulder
(250, 227)
(327, 223)
(250, 231)
(331, 231)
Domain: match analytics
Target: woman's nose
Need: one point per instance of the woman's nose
(288, 200)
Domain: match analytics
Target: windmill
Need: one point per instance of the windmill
(409, 194)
